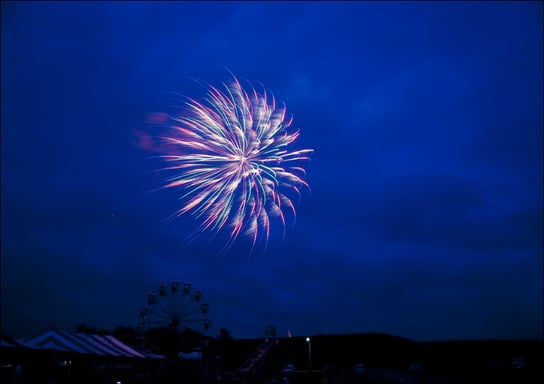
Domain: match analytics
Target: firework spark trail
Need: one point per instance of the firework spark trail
(231, 156)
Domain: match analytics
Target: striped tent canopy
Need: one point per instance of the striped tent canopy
(102, 345)
(6, 342)
(9, 342)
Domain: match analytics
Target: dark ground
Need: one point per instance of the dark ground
(386, 359)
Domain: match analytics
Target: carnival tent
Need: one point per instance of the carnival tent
(75, 342)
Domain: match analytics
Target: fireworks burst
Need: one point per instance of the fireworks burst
(230, 155)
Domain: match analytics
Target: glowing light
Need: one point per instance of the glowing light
(231, 157)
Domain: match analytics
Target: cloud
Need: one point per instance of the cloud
(455, 213)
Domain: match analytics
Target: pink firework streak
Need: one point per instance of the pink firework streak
(231, 157)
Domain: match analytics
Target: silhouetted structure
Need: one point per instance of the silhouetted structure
(253, 364)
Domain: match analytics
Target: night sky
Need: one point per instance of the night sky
(424, 218)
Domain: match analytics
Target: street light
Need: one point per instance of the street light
(309, 341)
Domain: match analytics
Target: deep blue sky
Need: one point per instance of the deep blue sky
(425, 214)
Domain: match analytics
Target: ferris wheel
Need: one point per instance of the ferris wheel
(175, 306)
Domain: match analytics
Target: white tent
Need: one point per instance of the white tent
(102, 345)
